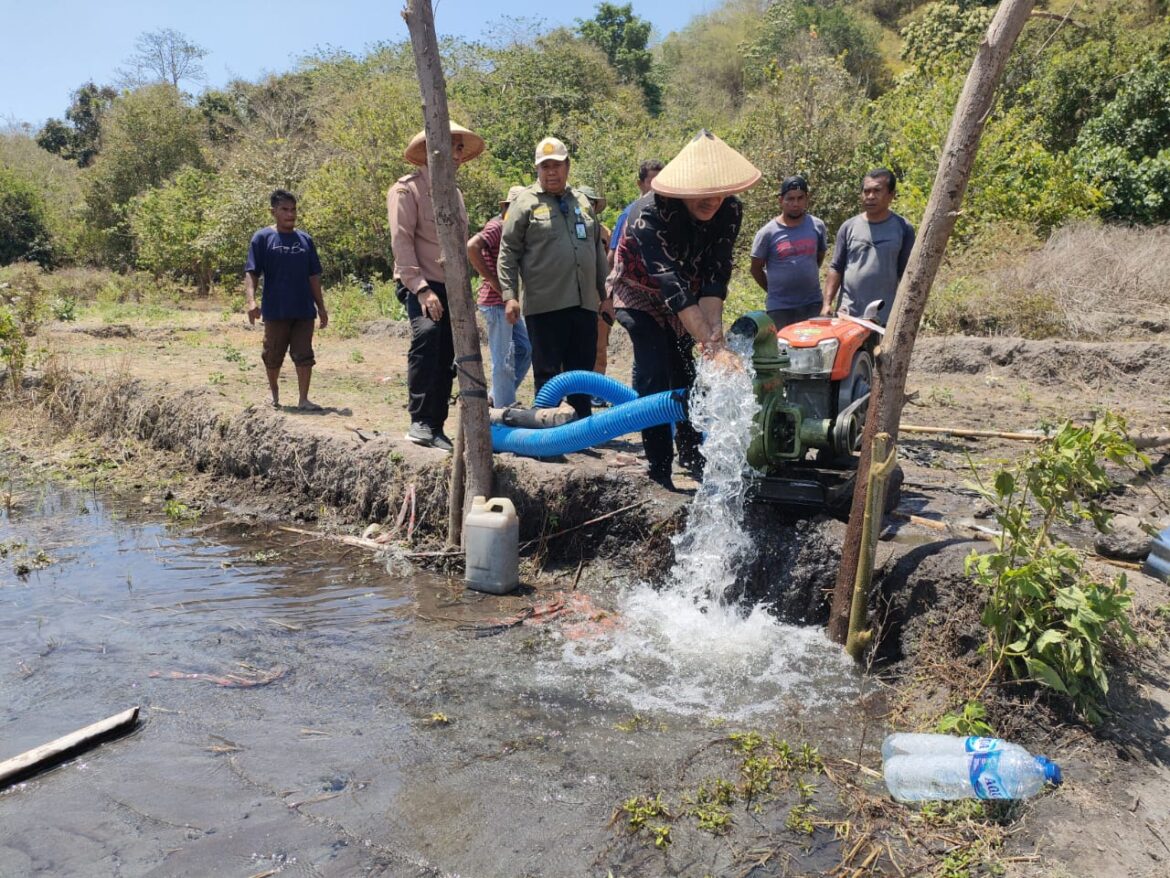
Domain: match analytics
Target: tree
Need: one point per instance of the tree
(1015, 179)
(623, 37)
(1123, 150)
(804, 120)
(792, 32)
(954, 170)
(365, 134)
(24, 231)
(57, 183)
(148, 134)
(473, 408)
(702, 67)
(163, 55)
(55, 137)
(80, 140)
(516, 102)
(169, 224)
(944, 37)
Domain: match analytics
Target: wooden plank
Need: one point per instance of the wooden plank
(41, 757)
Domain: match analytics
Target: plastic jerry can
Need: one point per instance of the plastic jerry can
(491, 545)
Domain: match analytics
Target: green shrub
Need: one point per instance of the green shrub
(1047, 619)
(349, 307)
(386, 300)
(170, 224)
(24, 228)
(21, 312)
(64, 308)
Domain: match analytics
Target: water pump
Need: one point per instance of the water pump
(812, 382)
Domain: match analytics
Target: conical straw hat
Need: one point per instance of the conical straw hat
(706, 166)
(416, 152)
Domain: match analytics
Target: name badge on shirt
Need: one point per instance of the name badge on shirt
(580, 227)
(540, 212)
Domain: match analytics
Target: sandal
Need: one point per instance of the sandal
(310, 407)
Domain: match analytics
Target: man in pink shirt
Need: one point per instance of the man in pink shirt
(418, 269)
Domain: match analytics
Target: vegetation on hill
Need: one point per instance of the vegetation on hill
(158, 179)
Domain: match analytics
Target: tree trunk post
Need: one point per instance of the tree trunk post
(473, 408)
(954, 170)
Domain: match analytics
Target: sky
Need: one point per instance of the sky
(53, 46)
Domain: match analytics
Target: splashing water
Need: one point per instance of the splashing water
(715, 546)
(684, 646)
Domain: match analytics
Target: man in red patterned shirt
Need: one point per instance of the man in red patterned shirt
(508, 344)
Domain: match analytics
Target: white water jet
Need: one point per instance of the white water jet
(709, 554)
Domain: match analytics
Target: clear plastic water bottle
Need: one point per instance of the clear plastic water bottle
(999, 774)
(922, 744)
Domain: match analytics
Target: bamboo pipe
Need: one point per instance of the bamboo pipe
(885, 456)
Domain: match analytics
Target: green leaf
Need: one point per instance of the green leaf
(1045, 674)
(1048, 638)
(1005, 484)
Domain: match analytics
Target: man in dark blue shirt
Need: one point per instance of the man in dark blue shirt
(287, 260)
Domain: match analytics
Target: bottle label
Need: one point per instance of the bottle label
(983, 745)
(985, 779)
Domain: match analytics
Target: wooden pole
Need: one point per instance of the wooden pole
(473, 408)
(954, 170)
(32, 761)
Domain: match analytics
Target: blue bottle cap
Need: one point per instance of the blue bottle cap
(1051, 770)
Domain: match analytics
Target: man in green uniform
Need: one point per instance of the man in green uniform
(552, 270)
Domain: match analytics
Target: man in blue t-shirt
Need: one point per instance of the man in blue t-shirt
(287, 260)
(786, 257)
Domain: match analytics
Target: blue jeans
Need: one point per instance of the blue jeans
(511, 354)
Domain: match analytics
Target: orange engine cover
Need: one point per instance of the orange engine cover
(810, 333)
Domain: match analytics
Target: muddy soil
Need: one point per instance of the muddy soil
(194, 391)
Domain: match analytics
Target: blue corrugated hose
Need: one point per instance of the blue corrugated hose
(632, 416)
(600, 386)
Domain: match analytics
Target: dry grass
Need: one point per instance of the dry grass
(1101, 277)
(1087, 281)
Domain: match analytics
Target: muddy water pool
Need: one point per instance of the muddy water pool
(367, 725)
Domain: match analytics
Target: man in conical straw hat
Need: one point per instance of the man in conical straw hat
(418, 269)
(670, 276)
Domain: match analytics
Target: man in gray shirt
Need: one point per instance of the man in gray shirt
(870, 253)
(786, 257)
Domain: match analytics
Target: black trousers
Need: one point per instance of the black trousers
(563, 341)
(430, 363)
(662, 361)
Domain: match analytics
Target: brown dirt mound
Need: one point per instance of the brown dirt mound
(1050, 362)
